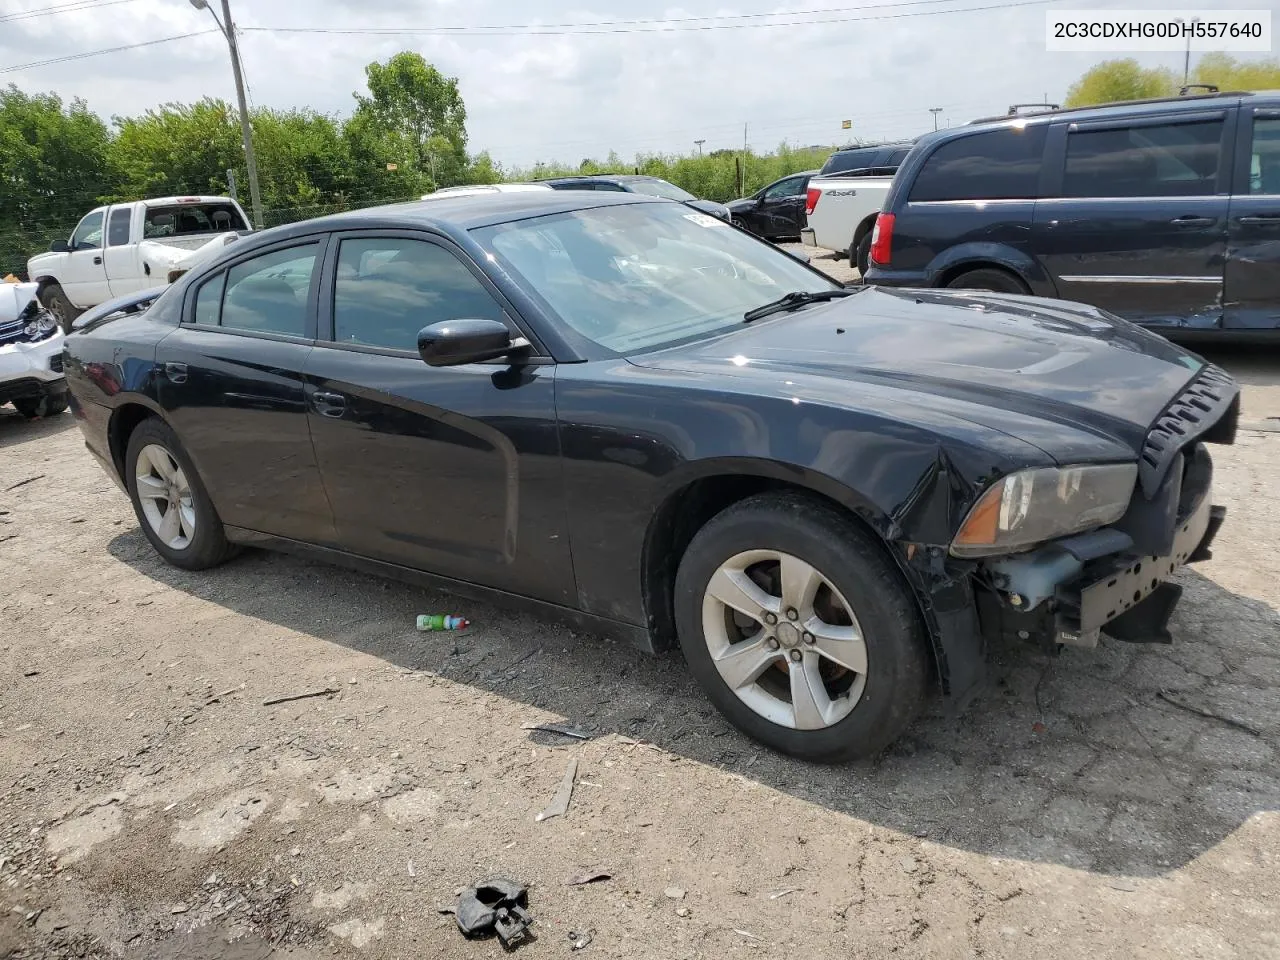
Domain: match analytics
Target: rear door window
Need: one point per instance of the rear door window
(1264, 164)
(997, 165)
(118, 226)
(268, 294)
(1168, 160)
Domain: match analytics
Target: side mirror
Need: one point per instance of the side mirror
(453, 342)
(59, 246)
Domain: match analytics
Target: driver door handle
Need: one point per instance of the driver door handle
(97, 260)
(1191, 221)
(329, 404)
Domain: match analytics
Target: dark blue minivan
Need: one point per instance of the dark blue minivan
(1165, 212)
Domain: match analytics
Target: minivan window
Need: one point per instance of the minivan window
(1169, 160)
(1264, 173)
(997, 165)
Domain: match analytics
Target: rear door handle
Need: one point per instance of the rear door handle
(329, 404)
(176, 372)
(1192, 221)
(97, 261)
(1261, 218)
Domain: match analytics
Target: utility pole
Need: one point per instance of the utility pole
(699, 143)
(935, 111)
(744, 158)
(228, 29)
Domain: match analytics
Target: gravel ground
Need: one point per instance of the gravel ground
(1121, 802)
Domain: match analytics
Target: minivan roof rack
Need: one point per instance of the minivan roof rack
(1016, 108)
(1213, 94)
(1206, 87)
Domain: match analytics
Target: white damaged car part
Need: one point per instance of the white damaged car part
(30, 354)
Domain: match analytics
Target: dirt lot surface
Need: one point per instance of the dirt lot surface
(1121, 802)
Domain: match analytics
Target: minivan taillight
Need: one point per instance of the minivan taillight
(811, 200)
(882, 240)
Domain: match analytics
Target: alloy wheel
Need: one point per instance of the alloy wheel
(784, 640)
(165, 496)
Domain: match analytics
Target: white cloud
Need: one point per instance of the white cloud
(567, 97)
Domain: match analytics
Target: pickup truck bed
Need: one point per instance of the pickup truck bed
(841, 211)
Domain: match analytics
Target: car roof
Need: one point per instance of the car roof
(875, 146)
(1125, 108)
(458, 212)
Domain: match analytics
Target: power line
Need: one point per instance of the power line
(98, 53)
(73, 7)
(538, 30)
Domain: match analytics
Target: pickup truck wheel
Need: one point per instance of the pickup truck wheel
(863, 255)
(53, 299)
(800, 630)
(987, 278)
(172, 506)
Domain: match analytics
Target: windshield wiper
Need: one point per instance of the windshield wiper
(793, 301)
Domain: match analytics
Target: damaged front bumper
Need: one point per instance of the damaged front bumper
(1112, 581)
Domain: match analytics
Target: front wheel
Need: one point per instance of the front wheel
(171, 503)
(54, 299)
(800, 630)
(49, 405)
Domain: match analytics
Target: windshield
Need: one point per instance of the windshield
(660, 188)
(635, 277)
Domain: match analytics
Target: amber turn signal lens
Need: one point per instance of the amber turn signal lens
(982, 524)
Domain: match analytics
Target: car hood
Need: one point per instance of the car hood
(744, 203)
(1017, 364)
(711, 207)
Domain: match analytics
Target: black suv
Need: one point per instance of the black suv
(1166, 212)
(881, 156)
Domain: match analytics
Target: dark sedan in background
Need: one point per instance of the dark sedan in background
(638, 183)
(775, 212)
(625, 413)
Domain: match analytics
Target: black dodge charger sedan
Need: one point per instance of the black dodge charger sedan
(627, 413)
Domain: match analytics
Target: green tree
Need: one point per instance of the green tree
(177, 148)
(416, 118)
(1228, 73)
(1121, 80)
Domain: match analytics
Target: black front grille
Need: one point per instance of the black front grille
(1206, 409)
(55, 363)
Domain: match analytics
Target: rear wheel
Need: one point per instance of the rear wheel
(988, 278)
(863, 254)
(800, 630)
(172, 506)
(54, 299)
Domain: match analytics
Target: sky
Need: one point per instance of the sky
(564, 96)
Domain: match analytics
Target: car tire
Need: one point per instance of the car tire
(171, 503)
(863, 255)
(54, 299)
(857, 713)
(45, 406)
(988, 278)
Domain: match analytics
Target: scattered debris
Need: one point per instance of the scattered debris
(23, 483)
(1038, 727)
(441, 621)
(674, 893)
(588, 876)
(561, 728)
(496, 906)
(560, 802)
(180, 908)
(1128, 886)
(326, 692)
(1167, 697)
(225, 693)
(744, 933)
(412, 872)
(31, 673)
(578, 941)
(683, 912)
(782, 893)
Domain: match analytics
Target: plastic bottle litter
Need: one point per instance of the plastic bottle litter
(441, 621)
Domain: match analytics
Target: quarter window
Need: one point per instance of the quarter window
(209, 301)
(1170, 160)
(1264, 173)
(268, 294)
(998, 165)
(88, 234)
(118, 227)
(387, 289)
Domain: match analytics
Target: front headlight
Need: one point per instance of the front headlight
(1033, 506)
(41, 325)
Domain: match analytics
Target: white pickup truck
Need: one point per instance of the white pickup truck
(841, 212)
(126, 247)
